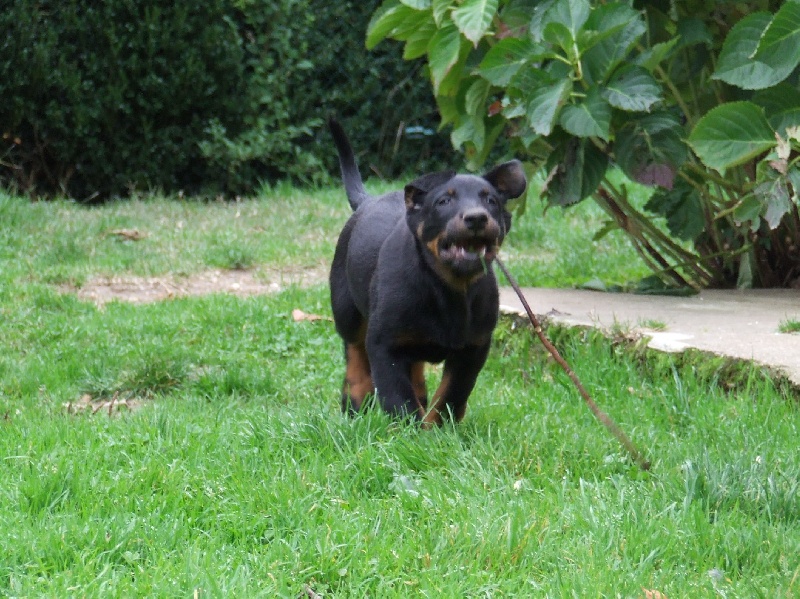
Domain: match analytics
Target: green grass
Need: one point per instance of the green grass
(233, 473)
(790, 325)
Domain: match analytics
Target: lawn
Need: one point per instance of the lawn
(194, 446)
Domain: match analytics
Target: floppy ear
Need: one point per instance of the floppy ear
(419, 187)
(508, 178)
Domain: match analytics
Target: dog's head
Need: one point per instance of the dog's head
(461, 220)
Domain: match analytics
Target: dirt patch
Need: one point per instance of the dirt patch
(110, 406)
(102, 290)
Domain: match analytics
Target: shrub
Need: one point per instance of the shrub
(109, 96)
(698, 99)
(104, 98)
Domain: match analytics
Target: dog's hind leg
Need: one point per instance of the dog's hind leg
(357, 379)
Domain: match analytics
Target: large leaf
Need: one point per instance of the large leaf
(473, 18)
(388, 20)
(682, 208)
(774, 197)
(653, 56)
(575, 174)
(417, 42)
(443, 53)
(572, 14)
(780, 44)
(731, 134)
(475, 98)
(544, 104)
(590, 118)
(561, 36)
(440, 10)
(737, 64)
(613, 30)
(632, 89)
(650, 150)
(781, 105)
(506, 57)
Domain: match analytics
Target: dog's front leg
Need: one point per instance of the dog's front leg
(461, 371)
(392, 377)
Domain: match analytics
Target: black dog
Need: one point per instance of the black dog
(411, 282)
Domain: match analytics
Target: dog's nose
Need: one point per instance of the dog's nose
(475, 220)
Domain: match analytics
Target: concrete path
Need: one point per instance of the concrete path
(739, 324)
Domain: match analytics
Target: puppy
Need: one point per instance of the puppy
(412, 282)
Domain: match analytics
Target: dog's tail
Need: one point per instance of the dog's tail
(351, 176)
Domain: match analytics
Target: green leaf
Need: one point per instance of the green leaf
(794, 179)
(632, 89)
(385, 21)
(506, 57)
(540, 18)
(448, 110)
(653, 56)
(615, 29)
(693, 31)
(774, 196)
(590, 118)
(493, 128)
(748, 210)
(650, 149)
(682, 208)
(417, 42)
(475, 98)
(570, 13)
(781, 104)
(440, 10)
(544, 104)
(576, 174)
(731, 134)
(443, 53)
(779, 47)
(470, 129)
(559, 36)
(473, 18)
(737, 65)
(417, 4)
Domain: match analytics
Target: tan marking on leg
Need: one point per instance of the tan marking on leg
(418, 382)
(434, 415)
(357, 378)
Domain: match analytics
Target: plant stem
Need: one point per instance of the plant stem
(604, 418)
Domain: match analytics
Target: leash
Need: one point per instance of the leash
(604, 418)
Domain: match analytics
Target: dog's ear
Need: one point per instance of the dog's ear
(419, 187)
(508, 178)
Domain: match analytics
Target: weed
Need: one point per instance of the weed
(790, 325)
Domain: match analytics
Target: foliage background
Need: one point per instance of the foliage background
(699, 100)
(105, 98)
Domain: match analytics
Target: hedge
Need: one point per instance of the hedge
(105, 98)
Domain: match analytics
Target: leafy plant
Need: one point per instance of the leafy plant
(698, 100)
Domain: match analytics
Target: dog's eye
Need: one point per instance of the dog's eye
(444, 200)
(490, 200)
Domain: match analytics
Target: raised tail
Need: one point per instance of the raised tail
(351, 177)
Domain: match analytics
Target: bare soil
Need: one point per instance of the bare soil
(102, 290)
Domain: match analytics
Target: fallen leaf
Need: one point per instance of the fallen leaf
(130, 234)
(299, 316)
(653, 594)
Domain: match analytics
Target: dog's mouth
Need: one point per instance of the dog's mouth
(468, 250)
